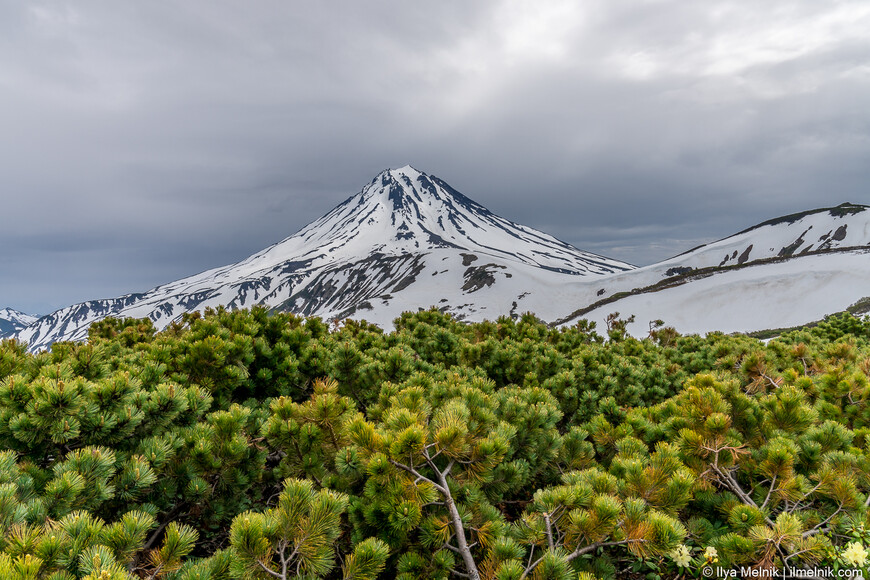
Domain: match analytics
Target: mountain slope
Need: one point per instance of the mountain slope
(12, 321)
(844, 226)
(759, 297)
(810, 232)
(407, 240)
(783, 272)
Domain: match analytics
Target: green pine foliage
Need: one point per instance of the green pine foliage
(253, 444)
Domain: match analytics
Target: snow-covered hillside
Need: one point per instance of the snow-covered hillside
(406, 241)
(816, 231)
(784, 272)
(844, 226)
(12, 321)
(759, 297)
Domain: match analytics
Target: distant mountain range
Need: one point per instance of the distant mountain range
(408, 240)
(12, 321)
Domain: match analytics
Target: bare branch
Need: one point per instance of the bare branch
(418, 475)
(448, 468)
(549, 531)
(451, 548)
(769, 491)
(271, 572)
(820, 525)
(731, 483)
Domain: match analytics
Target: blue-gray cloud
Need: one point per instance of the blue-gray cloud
(143, 142)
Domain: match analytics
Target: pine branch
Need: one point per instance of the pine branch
(302, 461)
(579, 552)
(284, 560)
(169, 518)
(772, 382)
(591, 548)
(769, 491)
(451, 548)
(426, 452)
(732, 484)
(156, 571)
(549, 531)
(271, 572)
(447, 469)
(804, 363)
(463, 549)
(458, 528)
(798, 503)
(790, 556)
(820, 525)
(418, 475)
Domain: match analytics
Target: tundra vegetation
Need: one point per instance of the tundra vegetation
(249, 444)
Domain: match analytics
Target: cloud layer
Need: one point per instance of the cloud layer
(146, 141)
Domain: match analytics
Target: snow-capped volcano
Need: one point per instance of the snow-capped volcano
(406, 241)
(404, 211)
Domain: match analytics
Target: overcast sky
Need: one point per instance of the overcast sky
(141, 142)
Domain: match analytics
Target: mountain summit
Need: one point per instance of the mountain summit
(406, 211)
(407, 240)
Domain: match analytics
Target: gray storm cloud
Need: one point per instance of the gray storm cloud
(143, 142)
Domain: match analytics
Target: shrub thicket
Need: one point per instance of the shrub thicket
(257, 445)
